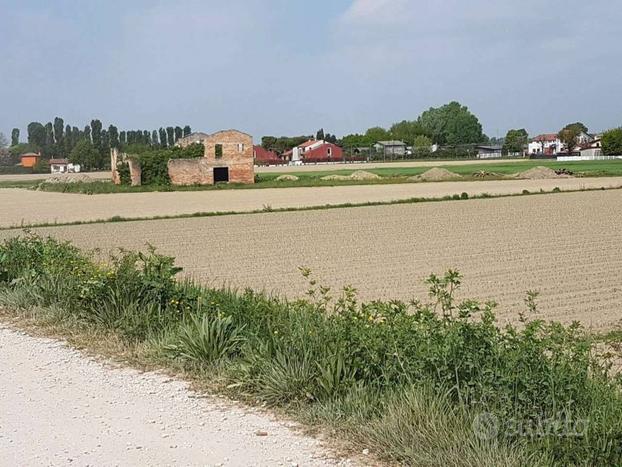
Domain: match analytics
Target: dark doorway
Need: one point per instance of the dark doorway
(221, 174)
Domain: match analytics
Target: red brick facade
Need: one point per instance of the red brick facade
(228, 156)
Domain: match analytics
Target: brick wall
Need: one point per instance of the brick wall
(237, 155)
(190, 172)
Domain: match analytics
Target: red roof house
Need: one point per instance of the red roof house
(265, 157)
(326, 152)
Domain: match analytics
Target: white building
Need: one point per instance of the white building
(547, 145)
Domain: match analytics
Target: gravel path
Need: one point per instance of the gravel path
(58, 407)
(18, 207)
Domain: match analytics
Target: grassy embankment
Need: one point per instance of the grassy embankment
(421, 383)
(389, 175)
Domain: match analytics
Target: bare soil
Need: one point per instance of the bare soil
(24, 207)
(566, 246)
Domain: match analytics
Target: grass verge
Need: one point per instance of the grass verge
(427, 382)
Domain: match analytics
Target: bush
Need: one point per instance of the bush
(154, 164)
(412, 378)
(612, 142)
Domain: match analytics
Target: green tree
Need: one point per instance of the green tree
(515, 141)
(85, 154)
(15, 136)
(163, 139)
(113, 136)
(407, 131)
(96, 133)
(154, 138)
(36, 134)
(187, 130)
(3, 141)
(179, 133)
(86, 135)
(268, 142)
(376, 134)
(59, 128)
(569, 135)
(452, 124)
(49, 136)
(422, 145)
(612, 142)
(320, 134)
(170, 136)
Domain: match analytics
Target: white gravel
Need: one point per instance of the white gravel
(59, 407)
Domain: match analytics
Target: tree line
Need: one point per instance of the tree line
(89, 146)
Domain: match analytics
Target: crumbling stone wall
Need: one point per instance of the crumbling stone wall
(190, 172)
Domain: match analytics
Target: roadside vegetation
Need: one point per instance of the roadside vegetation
(156, 173)
(432, 381)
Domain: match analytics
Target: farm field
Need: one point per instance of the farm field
(27, 177)
(28, 207)
(563, 245)
(462, 167)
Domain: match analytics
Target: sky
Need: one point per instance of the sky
(285, 67)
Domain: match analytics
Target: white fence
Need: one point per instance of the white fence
(587, 158)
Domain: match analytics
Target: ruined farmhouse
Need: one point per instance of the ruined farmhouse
(228, 158)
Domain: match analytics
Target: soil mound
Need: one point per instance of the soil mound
(435, 175)
(363, 175)
(70, 178)
(287, 178)
(540, 173)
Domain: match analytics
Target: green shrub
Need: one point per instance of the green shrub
(208, 339)
(464, 195)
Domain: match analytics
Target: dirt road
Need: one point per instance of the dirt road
(19, 207)
(58, 407)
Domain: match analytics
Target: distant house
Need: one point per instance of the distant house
(192, 138)
(327, 152)
(63, 166)
(29, 160)
(263, 156)
(592, 150)
(489, 152)
(546, 145)
(314, 151)
(391, 148)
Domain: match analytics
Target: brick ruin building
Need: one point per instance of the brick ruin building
(228, 158)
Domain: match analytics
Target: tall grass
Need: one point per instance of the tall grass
(435, 381)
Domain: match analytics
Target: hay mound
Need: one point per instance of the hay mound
(69, 178)
(540, 173)
(486, 174)
(336, 177)
(287, 178)
(363, 175)
(435, 175)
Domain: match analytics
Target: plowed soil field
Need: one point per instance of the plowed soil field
(567, 246)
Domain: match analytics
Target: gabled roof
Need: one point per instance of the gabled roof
(59, 161)
(546, 137)
(30, 154)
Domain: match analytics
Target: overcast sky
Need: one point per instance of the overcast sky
(292, 66)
